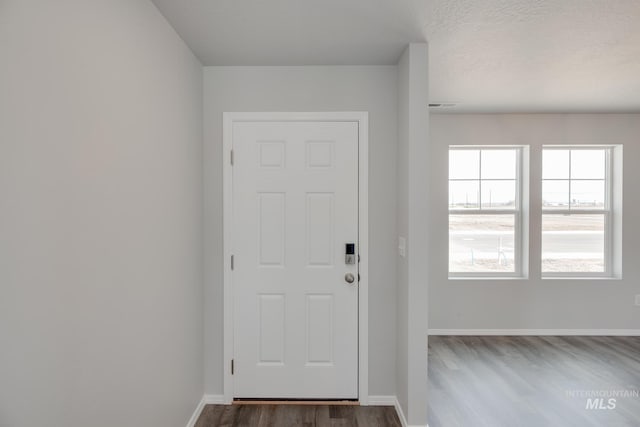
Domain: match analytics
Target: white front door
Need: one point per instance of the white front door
(295, 208)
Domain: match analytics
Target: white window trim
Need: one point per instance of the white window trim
(607, 212)
(517, 212)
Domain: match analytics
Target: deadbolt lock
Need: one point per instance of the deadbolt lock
(350, 253)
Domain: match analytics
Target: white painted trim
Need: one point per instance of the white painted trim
(196, 413)
(529, 332)
(363, 251)
(207, 399)
(363, 233)
(400, 412)
(382, 401)
(391, 401)
(227, 141)
(403, 419)
(214, 399)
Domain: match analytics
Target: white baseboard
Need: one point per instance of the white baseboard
(560, 332)
(382, 401)
(400, 412)
(207, 399)
(393, 401)
(214, 399)
(196, 413)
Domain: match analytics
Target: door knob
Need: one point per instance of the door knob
(349, 278)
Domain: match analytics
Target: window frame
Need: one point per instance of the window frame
(607, 211)
(517, 212)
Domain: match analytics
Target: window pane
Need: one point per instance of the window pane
(555, 164)
(498, 164)
(481, 243)
(464, 194)
(587, 164)
(464, 164)
(587, 194)
(572, 243)
(499, 194)
(555, 194)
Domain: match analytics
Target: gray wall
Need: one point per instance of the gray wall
(412, 205)
(100, 216)
(534, 303)
(371, 89)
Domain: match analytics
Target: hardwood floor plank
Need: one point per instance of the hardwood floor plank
(228, 416)
(488, 381)
(322, 416)
(210, 415)
(238, 415)
(267, 416)
(531, 381)
(247, 416)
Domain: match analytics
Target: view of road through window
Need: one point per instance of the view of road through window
(485, 243)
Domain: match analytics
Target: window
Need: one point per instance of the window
(576, 211)
(485, 211)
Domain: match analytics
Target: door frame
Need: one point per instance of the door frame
(362, 118)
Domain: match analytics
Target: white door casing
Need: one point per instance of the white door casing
(293, 327)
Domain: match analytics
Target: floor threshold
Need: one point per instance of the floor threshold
(295, 402)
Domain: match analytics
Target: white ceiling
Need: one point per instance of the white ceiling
(489, 55)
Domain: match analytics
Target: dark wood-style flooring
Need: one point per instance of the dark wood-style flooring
(491, 381)
(298, 415)
(533, 381)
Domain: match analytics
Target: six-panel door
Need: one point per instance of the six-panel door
(295, 206)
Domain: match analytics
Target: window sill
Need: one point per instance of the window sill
(604, 278)
(482, 278)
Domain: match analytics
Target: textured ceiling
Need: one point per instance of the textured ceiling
(569, 55)
(489, 55)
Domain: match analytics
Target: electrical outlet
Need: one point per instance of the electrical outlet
(638, 300)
